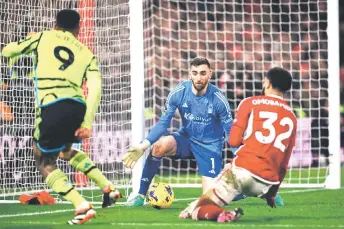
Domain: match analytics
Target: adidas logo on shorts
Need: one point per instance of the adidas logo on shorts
(212, 171)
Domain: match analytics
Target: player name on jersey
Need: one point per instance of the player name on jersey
(270, 102)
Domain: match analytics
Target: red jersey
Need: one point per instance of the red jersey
(266, 126)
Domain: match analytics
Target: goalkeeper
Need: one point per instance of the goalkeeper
(63, 114)
(206, 119)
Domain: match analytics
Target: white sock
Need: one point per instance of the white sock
(83, 205)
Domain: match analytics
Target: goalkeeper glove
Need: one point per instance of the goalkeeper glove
(134, 153)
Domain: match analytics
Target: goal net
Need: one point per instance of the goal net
(241, 39)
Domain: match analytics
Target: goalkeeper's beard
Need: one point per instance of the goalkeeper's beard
(199, 86)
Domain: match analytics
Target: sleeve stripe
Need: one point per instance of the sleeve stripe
(177, 88)
(86, 70)
(52, 87)
(224, 100)
(174, 92)
(57, 79)
(28, 46)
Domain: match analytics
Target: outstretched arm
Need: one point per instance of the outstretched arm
(26, 46)
(135, 152)
(164, 122)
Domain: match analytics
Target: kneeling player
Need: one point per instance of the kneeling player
(267, 127)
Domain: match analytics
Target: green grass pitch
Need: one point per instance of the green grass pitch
(304, 208)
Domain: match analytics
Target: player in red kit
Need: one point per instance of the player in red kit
(265, 130)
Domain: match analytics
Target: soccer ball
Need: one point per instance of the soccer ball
(160, 195)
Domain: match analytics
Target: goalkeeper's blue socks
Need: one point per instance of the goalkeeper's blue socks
(239, 197)
(150, 169)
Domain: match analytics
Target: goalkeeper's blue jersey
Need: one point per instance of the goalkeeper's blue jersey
(205, 119)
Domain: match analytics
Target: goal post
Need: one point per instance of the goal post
(137, 85)
(334, 178)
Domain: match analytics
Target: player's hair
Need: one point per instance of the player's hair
(68, 19)
(199, 61)
(280, 79)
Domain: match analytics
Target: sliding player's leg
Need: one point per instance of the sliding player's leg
(209, 162)
(207, 183)
(231, 182)
(250, 186)
(279, 200)
(57, 181)
(207, 209)
(81, 162)
(210, 205)
(174, 145)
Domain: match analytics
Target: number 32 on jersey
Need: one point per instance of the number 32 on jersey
(269, 124)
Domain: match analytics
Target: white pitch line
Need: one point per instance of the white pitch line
(196, 224)
(303, 190)
(225, 225)
(122, 203)
(36, 213)
(68, 210)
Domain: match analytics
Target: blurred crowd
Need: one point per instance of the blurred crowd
(242, 40)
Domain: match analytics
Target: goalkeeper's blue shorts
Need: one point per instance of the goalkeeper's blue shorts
(208, 156)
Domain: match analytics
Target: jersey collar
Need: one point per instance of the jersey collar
(275, 96)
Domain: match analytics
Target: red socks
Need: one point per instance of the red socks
(209, 212)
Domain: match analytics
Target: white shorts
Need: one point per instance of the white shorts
(233, 181)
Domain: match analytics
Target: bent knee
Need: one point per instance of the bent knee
(158, 149)
(165, 147)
